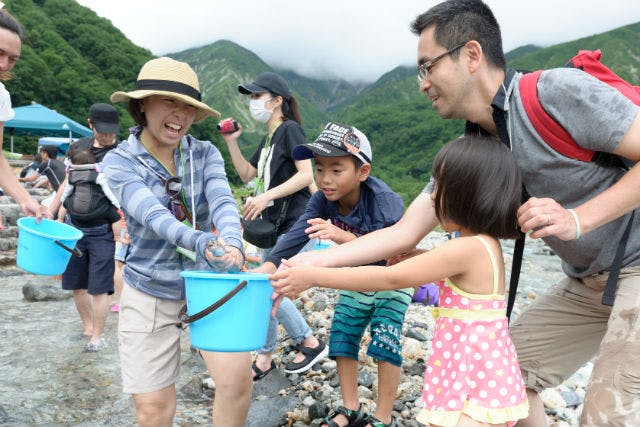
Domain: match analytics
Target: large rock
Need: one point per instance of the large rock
(34, 292)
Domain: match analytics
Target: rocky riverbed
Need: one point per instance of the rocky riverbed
(46, 377)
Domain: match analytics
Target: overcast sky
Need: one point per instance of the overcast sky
(353, 39)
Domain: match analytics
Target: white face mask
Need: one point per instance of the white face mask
(258, 110)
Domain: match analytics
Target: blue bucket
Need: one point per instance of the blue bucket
(321, 244)
(240, 323)
(45, 247)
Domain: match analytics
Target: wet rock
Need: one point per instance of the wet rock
(571, 398)
(318, 410)
(415, 334)
(365, 379)
(552, 399)
(3, 415)
(416, 368)
(271, 411)
(271, 384)
(34, 292)
(193, 390)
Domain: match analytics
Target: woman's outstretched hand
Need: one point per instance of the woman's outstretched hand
(222, 257)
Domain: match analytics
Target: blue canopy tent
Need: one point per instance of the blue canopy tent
(37, 119)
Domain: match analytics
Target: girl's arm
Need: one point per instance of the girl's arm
(453, 258)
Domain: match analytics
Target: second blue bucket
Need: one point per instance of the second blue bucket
(241, 323)
(45, 247)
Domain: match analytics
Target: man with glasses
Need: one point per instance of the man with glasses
(579, 208)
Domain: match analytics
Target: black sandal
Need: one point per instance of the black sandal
(357, 418)
(374, 422)
(259, 373)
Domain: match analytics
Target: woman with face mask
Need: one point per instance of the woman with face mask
(281, 190)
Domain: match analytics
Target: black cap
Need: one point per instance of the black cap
(267, 82)
(104, 118)
(334, 141)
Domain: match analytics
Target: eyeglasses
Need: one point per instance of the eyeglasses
(425, 68)
(173, 187)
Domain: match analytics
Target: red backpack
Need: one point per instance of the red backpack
(561, 141)
(552, 133)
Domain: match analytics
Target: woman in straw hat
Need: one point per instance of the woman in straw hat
(173, 189)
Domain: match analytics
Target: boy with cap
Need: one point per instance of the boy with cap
(92, 274)
(355, 204)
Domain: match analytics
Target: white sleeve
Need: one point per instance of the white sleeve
(68, 189)
(6, 112)
(102, 181)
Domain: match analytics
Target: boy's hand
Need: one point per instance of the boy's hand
(293, 280)
(324, 230)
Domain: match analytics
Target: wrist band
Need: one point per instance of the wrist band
(577, 221)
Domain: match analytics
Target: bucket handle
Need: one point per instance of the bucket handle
(185, 318)
(75, 251)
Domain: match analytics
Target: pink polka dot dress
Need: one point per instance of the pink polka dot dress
(473, 369)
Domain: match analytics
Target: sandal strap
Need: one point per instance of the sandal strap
(352, 416)
(374, 422)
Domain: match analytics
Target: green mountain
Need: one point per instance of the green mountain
(223, 65)
(620, 52)
(72, 58)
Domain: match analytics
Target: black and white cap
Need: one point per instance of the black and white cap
(334, 141)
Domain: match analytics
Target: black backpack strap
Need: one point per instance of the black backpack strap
(612, 282)
(516, 264)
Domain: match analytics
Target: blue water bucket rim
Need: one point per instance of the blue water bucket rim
(25, 223)
(206, 274)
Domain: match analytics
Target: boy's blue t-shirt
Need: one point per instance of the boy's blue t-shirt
(378, 207)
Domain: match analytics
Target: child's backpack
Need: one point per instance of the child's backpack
(561, 141)
(87, 202)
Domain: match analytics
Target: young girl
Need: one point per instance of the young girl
(473, 377)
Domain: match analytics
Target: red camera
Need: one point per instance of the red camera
(227, 126)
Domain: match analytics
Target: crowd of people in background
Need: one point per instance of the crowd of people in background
(163, 194)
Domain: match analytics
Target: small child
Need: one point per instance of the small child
(355, 204)
(473, 377)
(84, 196)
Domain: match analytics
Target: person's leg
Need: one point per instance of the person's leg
(556, 335)
(149, 349)
(613, 394)
(100, 310)
(118, 271)
(76, 278)
(101, 271)
(388, 382)
(348, 377)
(83, 305)
(297, 328)
(264, 359)
(233, 387)
(385, 347)
(156, 409)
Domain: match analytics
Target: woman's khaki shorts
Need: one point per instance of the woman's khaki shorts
(149, 338)
(566, 327)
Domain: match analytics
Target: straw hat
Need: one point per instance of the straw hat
(166, 76)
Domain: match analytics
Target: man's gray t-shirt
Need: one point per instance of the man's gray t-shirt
(598, 117)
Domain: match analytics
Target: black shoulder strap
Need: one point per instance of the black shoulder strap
(612, 282)
(500, 120)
